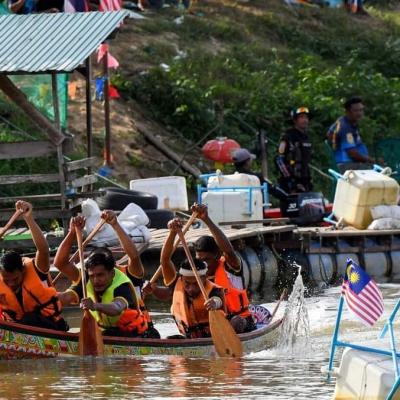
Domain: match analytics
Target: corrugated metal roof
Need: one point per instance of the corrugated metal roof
(53, 42)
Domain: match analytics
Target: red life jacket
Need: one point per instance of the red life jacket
(35, 296)
(236, 300)
(191, 317)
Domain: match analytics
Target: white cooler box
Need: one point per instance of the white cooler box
(170, 191)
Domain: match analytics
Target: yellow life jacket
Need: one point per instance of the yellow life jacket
(128, 320)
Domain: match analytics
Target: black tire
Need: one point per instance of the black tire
(117, 199)
(159, 218)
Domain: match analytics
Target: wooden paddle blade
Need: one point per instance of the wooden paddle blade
(226, 340)
(90, 337)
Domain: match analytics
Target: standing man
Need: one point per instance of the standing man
(344, 137)
(294, 154)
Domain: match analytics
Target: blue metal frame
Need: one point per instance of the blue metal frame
(392, 352)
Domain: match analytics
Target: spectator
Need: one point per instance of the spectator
(33, 6)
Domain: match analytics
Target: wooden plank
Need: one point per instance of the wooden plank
(257, 221)
(83, 181)
(38, 213)
(18, 231)
(33, 198)
(326, 232)
(158, 237)
(83, 195)
(36, 178)
(28, 243)
(28, 149)
(83, 163)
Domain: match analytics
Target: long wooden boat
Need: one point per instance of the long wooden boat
(25, 342)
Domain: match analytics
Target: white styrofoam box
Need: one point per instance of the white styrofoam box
(358, 192)
(170, 191)
(233, 180)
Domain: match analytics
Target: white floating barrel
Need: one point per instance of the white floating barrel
(376, 263)
(322, 268)
(269, 265)
(395, 258)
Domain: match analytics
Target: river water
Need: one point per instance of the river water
(270, 374)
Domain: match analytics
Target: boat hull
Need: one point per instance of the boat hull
(24, 342)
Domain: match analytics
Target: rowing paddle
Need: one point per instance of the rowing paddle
(10, 222)
(85, 243)
(188, 224)
(90, 338)
(226, 341)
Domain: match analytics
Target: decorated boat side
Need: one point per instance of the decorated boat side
(25, 342)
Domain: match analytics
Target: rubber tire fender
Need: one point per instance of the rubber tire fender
(118, 199)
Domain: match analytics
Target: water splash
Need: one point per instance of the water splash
(295, 329)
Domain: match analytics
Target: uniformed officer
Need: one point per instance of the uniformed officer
(344, 137)
(294, 154)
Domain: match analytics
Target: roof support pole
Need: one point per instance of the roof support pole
(89, 125)
(107, 144)
(60, 157)
(19, 98)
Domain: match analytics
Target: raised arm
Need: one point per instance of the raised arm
(135, 266)
(42, 258)
(61, 260)
(222, 241)
(168, 267)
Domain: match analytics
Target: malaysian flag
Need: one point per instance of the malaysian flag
(363, 297)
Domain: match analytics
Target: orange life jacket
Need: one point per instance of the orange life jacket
(132, 321)
(142, 306)
(191, 318)
(236, 300)
(35, 296)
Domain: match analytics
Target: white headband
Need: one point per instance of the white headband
(189, 272)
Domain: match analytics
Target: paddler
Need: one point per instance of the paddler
(25, 295)
(112, 297)
(189, 308)
(223, 268)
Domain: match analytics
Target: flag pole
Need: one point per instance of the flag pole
(389, 326)
(334, 337)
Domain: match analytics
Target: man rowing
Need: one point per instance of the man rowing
(113, 293)
(223, 268)
(25, 295)
(189, 309)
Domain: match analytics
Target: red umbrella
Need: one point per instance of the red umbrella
(220, 149)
